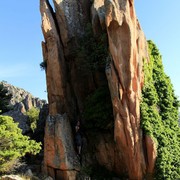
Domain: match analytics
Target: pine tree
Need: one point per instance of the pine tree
(5, 98)
(13, 145)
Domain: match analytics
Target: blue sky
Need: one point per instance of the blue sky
(20, 40)
(20, 46)
(160, 21)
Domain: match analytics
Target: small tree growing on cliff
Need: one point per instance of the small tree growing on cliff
(43, 65)
(4, 99)
(13, 145)
(33, 115)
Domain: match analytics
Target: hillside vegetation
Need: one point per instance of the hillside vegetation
(13, 144)
(159, 116)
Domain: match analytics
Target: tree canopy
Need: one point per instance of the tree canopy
(5, 98)
(13, 145)
(159, 115)
(33, 115)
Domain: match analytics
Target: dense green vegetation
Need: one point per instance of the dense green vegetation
(159, 116)
(98, 111)
(4, 99)
(33, 115)
(92, 52)
(13, 145)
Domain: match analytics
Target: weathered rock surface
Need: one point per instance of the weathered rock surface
(21, 119)
(122, 151)
(59, 157)
(11, 177)
(127, 46)
(61, 96)
(151, 154)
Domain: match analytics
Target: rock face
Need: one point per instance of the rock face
(59, 156)
(21, 102)
(58, 165)
(123, 150)
(23, 97)
(127, 47)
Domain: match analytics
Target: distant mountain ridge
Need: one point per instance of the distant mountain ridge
(20, 95)
(21, 102)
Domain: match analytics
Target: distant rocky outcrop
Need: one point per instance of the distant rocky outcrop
(21, 102)
(21, 96)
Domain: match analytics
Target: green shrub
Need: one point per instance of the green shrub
(43, 65)
(13, 145)
(98, 111)
(5, 98)
(159, 116)
(33, 115)
(92, 52)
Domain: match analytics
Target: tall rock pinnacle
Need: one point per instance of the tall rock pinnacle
(68, 88)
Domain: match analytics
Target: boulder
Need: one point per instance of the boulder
(11, 177)
(59, 156)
